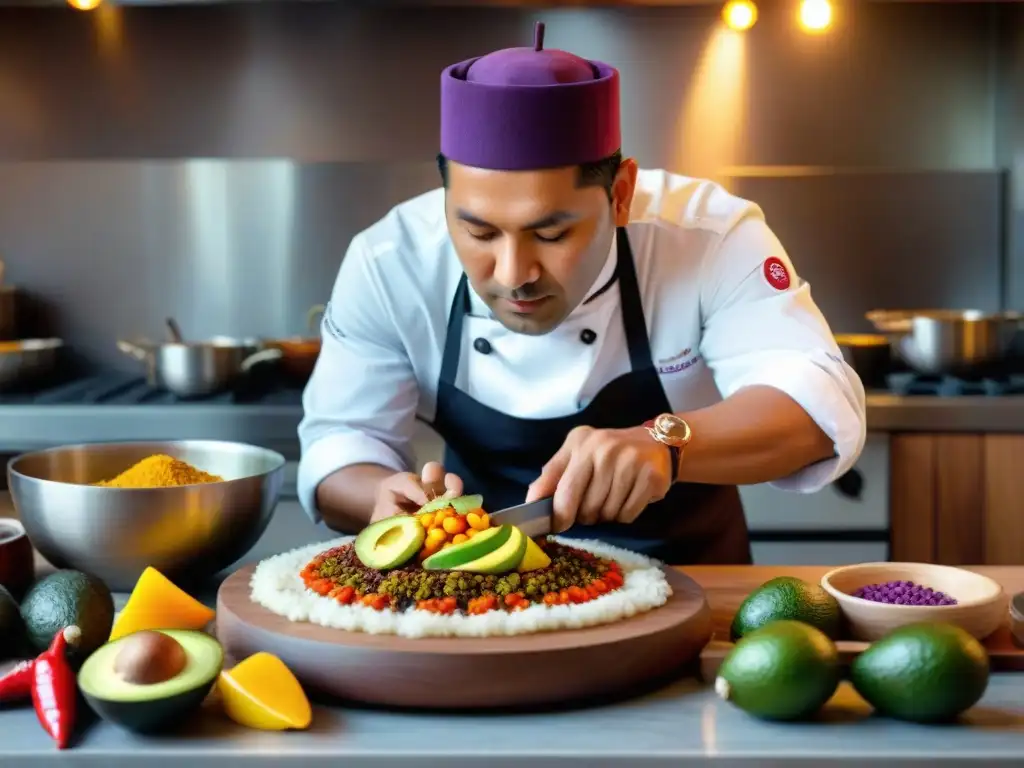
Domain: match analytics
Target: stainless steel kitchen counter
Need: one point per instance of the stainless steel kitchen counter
(684, 721)
(29, 427)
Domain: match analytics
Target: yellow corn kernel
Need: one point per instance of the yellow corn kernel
(459, 538)
(455, 524)
(427, 519)
(470, 533)
(435, 536)
(480, 522)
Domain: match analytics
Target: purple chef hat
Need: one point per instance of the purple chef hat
(529, 108)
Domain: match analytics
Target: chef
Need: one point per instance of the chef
(631, 342)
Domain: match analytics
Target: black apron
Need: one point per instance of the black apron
(500, 456)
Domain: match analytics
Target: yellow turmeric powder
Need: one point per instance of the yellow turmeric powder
(160, 471)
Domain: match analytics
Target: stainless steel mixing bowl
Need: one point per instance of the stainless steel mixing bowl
(188, 532)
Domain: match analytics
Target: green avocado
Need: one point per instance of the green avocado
(505, 558)
(390, 543)
(787, 597)
(787, 670)
(461, 504)
(122, 683)
(65, 598)
(926, 672)
(469, 550)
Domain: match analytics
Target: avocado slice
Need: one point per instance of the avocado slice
(503, 559)
(461, 504)
(458, 554)
(149, 707)
(390, 543)
(68, 598)
(534, 558)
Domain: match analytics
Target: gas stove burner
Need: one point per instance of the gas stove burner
(909, 384)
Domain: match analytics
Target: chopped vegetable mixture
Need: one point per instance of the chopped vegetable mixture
(574, 576)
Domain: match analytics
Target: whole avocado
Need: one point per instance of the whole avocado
(64, 598)
(924, 673)
(786, 670)
(787, 597)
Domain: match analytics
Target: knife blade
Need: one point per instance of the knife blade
(533, 519)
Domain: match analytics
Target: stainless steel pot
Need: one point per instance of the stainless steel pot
(950, 342)
(22, 362)
(197, 369)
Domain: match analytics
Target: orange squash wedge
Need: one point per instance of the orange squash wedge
(262, 693)
(157, 603)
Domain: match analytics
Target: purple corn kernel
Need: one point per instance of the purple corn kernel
(903, 593)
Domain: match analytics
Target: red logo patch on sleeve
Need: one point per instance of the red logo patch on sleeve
(776, 274)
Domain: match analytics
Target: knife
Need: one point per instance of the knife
(533, 519)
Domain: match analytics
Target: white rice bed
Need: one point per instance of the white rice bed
(277, 586)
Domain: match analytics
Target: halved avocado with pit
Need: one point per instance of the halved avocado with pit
(147, 683)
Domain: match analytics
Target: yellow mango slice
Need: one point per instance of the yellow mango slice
(158, 603)
(262, 693)
(534, 559)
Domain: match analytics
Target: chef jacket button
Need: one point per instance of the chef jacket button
(587, 336)
(483, 346)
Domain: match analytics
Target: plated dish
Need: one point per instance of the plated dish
(422, 576)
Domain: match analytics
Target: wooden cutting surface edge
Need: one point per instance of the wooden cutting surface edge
(524, 670)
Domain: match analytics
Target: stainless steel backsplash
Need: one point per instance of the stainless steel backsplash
(212, 163)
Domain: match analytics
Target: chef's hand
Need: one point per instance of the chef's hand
(405, 492)
(604, 475)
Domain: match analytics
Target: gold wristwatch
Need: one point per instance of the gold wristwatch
(673, 432)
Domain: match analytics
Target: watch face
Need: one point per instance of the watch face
(672, 427)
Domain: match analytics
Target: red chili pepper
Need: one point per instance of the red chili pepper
(16, 684)
(54, 688)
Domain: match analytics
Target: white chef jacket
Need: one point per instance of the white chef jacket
(720, 314)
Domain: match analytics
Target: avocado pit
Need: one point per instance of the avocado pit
(150, 657)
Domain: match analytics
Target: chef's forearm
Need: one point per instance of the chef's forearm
(757, 435)
(346, 498)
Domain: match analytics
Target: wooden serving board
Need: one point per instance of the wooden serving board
(727, 586)
(541, 669)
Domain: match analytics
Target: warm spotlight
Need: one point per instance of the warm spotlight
(740, 15)
(815, 15)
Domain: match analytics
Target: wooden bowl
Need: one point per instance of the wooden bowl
(981, 603)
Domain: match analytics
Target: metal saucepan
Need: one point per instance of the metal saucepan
(22, 362)
(299, 354)
(869, 354)
(197, 369)
(950, 342)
